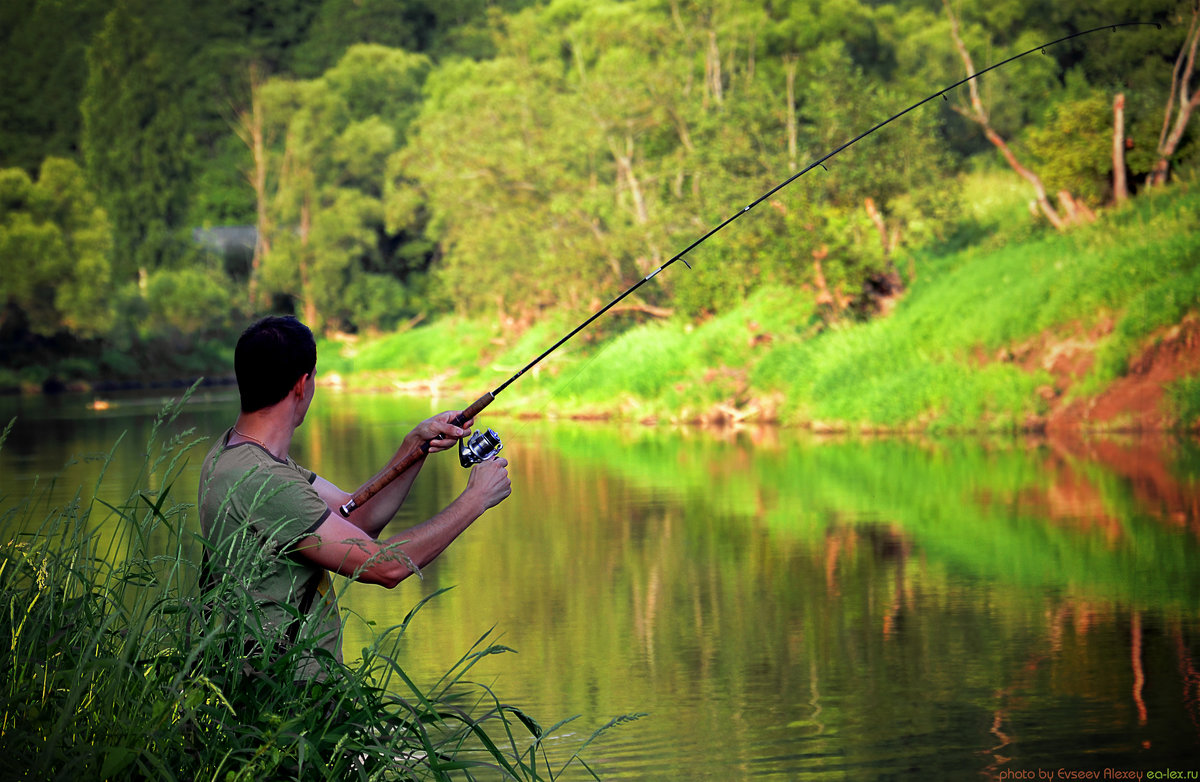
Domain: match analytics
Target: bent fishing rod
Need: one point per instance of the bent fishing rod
(483, 446)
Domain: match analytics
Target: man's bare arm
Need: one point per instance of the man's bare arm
(344, 547)
(373, 515)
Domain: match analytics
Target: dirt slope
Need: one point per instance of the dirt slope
(1135, 402)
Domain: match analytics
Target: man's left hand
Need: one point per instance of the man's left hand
(439, 432)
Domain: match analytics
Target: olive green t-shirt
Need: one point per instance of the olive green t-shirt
(254, 508)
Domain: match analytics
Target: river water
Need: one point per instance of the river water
(779, 606)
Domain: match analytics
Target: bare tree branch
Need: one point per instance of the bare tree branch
(1181, 76)
(978, 114)
(1120, 187)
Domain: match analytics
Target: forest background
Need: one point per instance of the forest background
(442, 188)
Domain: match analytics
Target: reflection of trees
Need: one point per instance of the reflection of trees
(824, 600)
(1077, 638)
(1191, 681)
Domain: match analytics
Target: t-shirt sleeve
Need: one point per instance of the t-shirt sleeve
(305, 473)
(287, 507)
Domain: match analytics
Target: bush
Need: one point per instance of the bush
(187, 301)
(1183, 399)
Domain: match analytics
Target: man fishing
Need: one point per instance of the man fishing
(271, 523)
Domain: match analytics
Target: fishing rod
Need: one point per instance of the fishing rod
(482, 446)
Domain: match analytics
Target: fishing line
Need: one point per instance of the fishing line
(485, 445)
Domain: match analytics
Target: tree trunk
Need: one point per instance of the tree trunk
(1181, 76)
(978, 114)
(310, 304)
(250, 130)
(789, 64)
(625, 171)
(832, 302)
(712, 71)
(1039, 190)
(889, 241)
(1120, 187)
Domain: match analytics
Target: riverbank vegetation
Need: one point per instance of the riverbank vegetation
(974, 343)
(455, 184)
(113, 670)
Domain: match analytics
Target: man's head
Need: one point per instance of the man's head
(271, 356)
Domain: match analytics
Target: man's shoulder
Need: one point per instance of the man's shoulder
(248, 468)
(244, 481)
(239, 458)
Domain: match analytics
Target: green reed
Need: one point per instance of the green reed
(110, 668)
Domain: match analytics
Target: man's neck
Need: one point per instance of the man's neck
(270, 428)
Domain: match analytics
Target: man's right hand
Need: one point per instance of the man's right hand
(490, 482)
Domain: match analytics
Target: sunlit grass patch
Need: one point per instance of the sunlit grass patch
(446, 345)
(667, 368)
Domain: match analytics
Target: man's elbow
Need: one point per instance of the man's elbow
(387, 573)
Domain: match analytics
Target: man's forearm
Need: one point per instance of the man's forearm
(423, 543)
(374, 514)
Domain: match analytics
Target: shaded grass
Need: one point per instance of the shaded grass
(115, 665)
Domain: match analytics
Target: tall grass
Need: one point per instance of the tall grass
(110, 668)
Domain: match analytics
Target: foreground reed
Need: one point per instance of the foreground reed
(110, 668)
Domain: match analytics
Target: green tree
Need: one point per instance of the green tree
(55, 246)
(139, 136)
(1073, 146)
(43, 68)
(340, 24)
(607, 136)
(331, 232)
(186, 302)
(444, 29)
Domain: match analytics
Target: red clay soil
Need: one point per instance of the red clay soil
(1134, 402)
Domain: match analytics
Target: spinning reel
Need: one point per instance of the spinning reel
(481, 447)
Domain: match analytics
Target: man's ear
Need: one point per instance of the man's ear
(298, 388)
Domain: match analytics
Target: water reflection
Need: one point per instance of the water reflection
(791, 607)
(843, 609)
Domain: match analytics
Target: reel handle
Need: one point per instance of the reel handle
(405, 459)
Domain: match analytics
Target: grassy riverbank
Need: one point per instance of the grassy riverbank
(1006, 328)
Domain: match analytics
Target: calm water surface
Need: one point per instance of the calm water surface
(779, 606)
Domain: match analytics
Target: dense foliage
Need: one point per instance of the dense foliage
(406, 159)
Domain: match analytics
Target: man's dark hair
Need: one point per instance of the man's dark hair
(271, 355)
